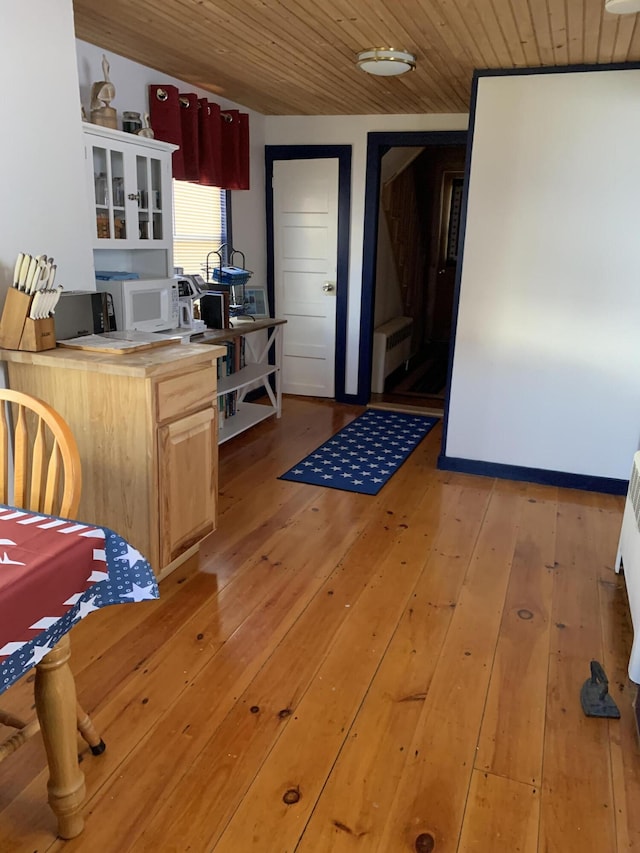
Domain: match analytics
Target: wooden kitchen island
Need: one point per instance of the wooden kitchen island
(146, 424)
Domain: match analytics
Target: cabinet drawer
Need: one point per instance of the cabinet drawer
(181, 394)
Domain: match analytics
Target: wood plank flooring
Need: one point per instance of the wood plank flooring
(353, 673)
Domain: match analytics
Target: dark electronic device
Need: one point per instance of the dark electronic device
(84, 313)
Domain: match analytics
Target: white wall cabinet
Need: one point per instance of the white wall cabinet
(130, 201)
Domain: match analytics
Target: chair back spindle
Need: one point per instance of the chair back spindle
(45, 461)
(4, 455)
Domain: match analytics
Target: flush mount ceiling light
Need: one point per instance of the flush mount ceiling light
(386, 62)
(622, 7)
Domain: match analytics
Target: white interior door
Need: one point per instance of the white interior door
(305, 212)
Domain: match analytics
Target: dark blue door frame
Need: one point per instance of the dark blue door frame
(377, 145)
(313, 152)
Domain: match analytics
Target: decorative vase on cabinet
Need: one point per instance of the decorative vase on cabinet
(129, 180)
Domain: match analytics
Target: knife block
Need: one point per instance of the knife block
(38, 335)
(18, 330)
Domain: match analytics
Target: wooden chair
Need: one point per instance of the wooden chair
(45, 474)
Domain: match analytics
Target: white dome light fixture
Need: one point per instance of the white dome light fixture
(622, 7)
(386, 62)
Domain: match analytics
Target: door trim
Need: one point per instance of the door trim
(377, 145)
(342, 153)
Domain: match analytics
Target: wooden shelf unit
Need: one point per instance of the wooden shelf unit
(255, 374)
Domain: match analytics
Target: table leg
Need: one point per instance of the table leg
(55, 694)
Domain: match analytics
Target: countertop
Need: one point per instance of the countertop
(147, 363)
(241, 327)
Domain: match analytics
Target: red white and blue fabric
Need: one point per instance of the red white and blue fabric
(364, 454)
(53, 573)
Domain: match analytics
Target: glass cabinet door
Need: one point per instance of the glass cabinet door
(118, 195)
(149, 177)
(109, 194)
(156, 200)
(101, 194)
(129, 198)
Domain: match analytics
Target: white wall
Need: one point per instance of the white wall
(352, 130)
(547, 356)
(44, 202)
(131, 81)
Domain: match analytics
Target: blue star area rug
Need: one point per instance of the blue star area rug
(364, 454)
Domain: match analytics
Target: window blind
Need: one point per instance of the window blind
(199, 224)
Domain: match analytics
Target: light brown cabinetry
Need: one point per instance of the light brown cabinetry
(187, 466)
(146, 427)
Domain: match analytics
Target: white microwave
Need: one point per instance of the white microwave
(146, 305)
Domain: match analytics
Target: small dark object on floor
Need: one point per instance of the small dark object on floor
(99, 748)
(594, 696)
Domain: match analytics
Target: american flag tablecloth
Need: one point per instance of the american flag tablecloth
(53, 573)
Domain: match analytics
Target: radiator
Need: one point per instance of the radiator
(628, 558)
(391, 348)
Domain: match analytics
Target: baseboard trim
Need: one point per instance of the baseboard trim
(584, 482)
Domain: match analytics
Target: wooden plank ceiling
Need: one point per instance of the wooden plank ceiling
(297, 57)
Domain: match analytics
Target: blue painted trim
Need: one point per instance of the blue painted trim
(312, 152)
(229, 215)
(585, 482)
(377, 145)
(353, 399)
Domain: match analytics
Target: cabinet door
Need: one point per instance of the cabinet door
(150, 199)
(131, 193)
(188, 473)
(108, 187)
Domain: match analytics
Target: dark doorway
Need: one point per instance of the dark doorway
(414, 190)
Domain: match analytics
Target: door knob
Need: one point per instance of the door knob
(328, 286)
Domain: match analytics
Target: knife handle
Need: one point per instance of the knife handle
(16, 271)
(33, 311)
(24, 269)
(33, 266)
(40, 278)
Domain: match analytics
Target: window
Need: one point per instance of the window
(199, 224)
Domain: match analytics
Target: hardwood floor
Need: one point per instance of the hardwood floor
(353, 673)
(402, 389)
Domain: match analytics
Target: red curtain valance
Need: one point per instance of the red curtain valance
(214, 143)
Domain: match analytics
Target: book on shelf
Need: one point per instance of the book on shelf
(215, 309)
(230, 363)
